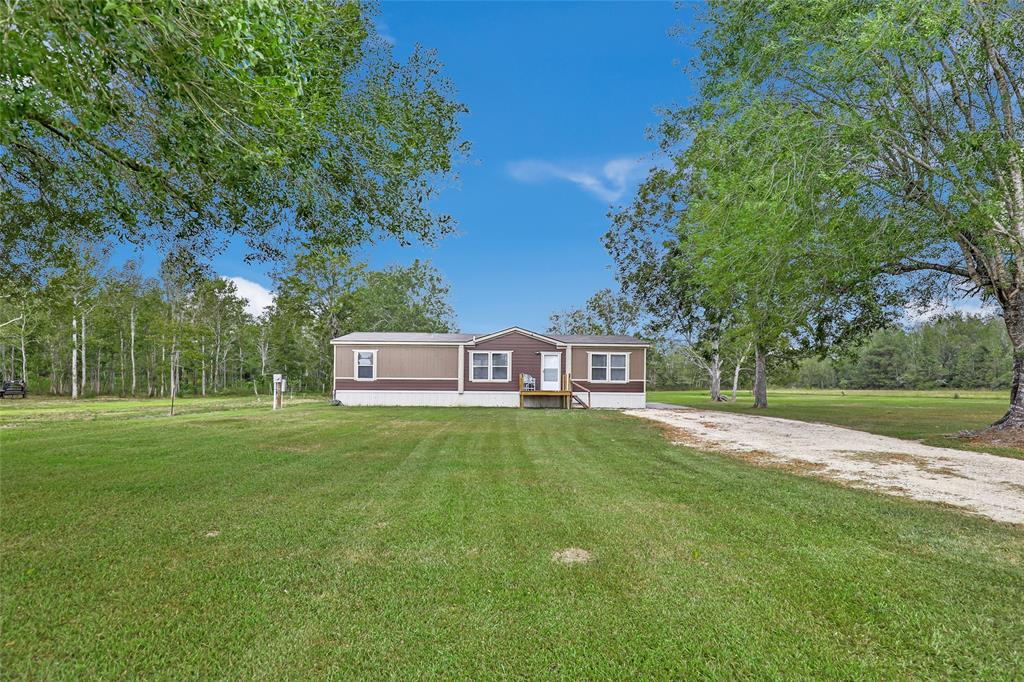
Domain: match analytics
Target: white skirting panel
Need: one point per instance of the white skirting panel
(429, 398)
(616, 400)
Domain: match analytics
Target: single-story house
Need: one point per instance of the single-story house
(510, 368)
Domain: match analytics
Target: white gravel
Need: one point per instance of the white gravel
(985, 484)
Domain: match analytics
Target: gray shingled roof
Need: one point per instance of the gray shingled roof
(596, 338)
(419, 337)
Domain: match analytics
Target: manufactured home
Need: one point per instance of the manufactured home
(510, 368)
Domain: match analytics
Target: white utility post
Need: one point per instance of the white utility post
(278, 401)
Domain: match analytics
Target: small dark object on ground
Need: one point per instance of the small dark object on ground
(336, 402)
(14, 388)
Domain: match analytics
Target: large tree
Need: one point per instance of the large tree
(188, 123)
(759, 241)
(926, 100)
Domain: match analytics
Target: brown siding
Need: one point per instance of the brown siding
(628, 387)
(580, 370)
(396, 385)
(403, 362)
(525, 359)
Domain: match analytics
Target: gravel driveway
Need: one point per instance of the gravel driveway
(985, 484)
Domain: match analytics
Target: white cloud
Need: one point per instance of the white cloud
(915, 315)
(385, 34)
(607, 181)
(257, 297)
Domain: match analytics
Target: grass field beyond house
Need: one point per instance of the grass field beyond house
(405, 542)
(934, 417)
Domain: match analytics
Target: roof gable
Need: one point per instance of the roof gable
(520, 330)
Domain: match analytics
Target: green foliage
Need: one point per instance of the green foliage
(189, 123)
(923, 102)
(952, 351)
(604, 313)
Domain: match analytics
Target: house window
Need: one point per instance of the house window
(491, 365)
(609, 367)
(366, 365)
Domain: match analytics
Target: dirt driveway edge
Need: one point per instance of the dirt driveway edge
(978, 482)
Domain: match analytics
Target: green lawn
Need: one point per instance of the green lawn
(934, 417)
(409, 542)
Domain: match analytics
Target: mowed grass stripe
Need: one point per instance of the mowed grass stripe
(417, 542)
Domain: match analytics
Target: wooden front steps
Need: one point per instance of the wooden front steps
(568, 392)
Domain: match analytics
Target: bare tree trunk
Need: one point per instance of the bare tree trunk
(97, 385)
(24, 358)
(174, 380)
(715, 372)
(74, 357)
(203, 354)
(1014, 417)
(54, 362)
(132, 347)
(760, 378)
(120, 358)
(85, 378)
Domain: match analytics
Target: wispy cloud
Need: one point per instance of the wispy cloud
(385, 33)
(608, 181)
(915, 315)
(257, 297)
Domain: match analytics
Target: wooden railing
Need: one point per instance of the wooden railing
(567, 388)
(582, 389)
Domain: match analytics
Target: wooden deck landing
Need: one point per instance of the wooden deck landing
(565, 393)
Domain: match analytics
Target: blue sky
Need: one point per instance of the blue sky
(560, 95)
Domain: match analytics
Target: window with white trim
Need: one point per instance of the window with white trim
(609, 367)
(366, 365)
(490, 365)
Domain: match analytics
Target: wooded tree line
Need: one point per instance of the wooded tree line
(954, 351)
(89, 330)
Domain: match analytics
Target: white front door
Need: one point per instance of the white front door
(550, 372)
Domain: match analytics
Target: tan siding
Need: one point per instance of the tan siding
(580, 370)
(403, 362)
(343, 361)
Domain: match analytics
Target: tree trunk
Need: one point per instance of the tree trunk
(1014, 417)
(24, 358)
(760, 378)
(203, 354)
(120, 358)
(85, 378)
(132, 348)
(715, 372)
(736, 380)
(74, 357)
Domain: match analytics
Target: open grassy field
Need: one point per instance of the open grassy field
(933, 417)
(408, 542)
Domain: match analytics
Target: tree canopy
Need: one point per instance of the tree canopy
(924, 100)
(185, 124)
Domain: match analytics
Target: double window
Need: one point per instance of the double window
(366, 365)
(490, 365)
(609, 367)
